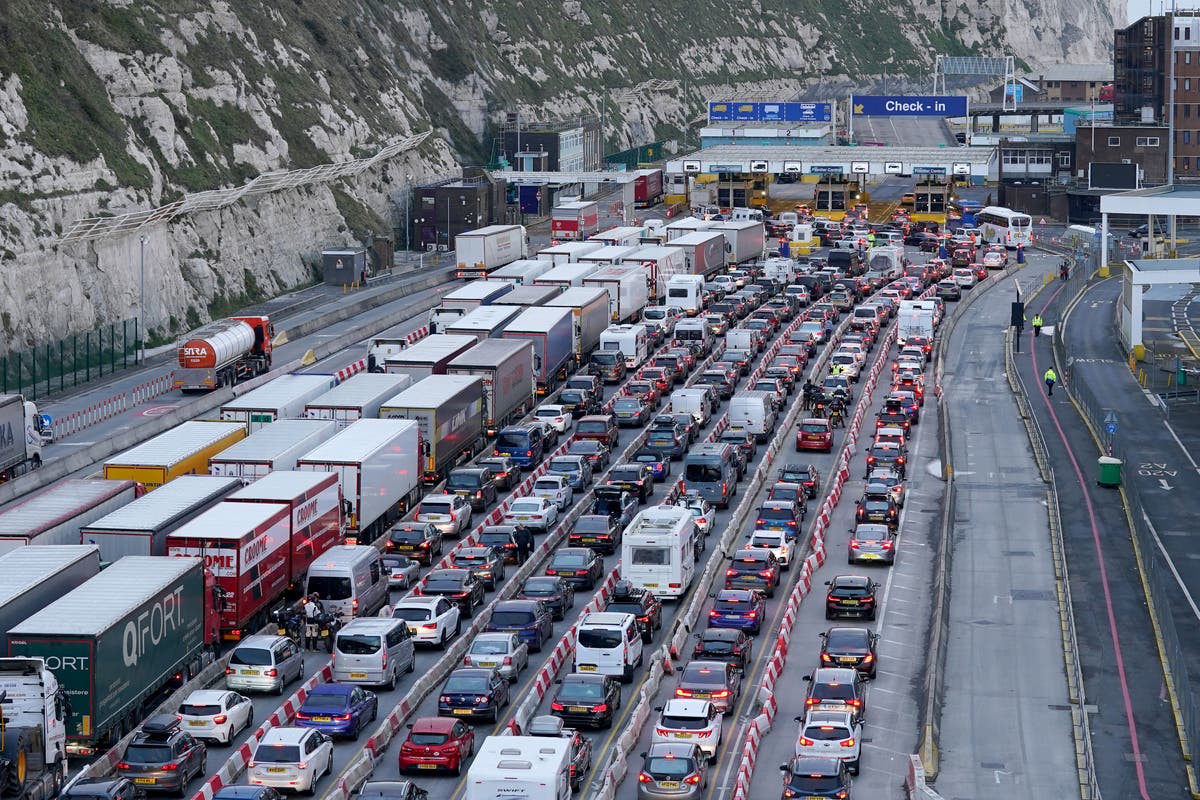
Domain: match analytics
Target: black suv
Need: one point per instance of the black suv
(420, 541)
(579, 402)
(163, 757)
(629, 599)
(476, 484)
(635, 478)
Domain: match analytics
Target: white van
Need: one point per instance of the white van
(753, 411)
(746, 215)
(696, 402)
(350, 580)
(609, 644)
(686, 292)
(373, 651)
(694, 333)
(633, 341)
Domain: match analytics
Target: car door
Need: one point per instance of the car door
(190, 752)
(287, 656)
(401, 641)
(499, 689)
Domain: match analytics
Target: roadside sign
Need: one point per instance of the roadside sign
(886, 105)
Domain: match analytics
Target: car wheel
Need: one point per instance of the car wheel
(391, 684)
(457, 630)
(442, 640)
(853, 766)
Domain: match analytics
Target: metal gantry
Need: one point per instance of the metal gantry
(983, 66)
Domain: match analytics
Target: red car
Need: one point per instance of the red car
(602, 427)
(645, 390)
(815, 434)
(437, 743)
(659, 376)
(981, 272)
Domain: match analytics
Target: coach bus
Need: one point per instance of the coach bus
(1004, 226)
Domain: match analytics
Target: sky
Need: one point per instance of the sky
(1147, 8)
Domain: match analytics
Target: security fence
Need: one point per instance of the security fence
(70, 361)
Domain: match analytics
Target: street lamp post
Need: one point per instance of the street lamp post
(142, 297)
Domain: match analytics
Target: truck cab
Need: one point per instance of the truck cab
(32, 728)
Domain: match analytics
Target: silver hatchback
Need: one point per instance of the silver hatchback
(871, 541)
(264, 663)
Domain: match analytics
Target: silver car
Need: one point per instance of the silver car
(264, 663)
(449, 513)
(555, 488)
(673, 771)
(576, 469)
(503, 651)
(871, 541)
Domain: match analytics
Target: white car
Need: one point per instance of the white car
(555, 488)
(854, 348)
(450, 513)
(993, 260)
(776, 542)
(964, 277)
(430, 620)
(558, 417)
(703, 512)
(892, 480)
(215, 714)
(851, 366)
(503, 651)
(291, 758)
(532, 512)
(696, 721)
(831, 734)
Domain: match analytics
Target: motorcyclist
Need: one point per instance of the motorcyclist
(837, 410)
(314, 609)
(819, 403)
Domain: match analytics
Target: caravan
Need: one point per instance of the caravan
(658, 551)
(686, 292)
(632, 341)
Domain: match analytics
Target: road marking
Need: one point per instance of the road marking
(1186, 454)
(1171, 565)
(1163, 483)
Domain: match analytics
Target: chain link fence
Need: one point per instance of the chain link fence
(70, 361)
(1156, 570)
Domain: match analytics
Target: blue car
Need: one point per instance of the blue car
(524, 444)
(338, 709)
(474, 693)
(743, 609)
(532, 620)
(659, 461)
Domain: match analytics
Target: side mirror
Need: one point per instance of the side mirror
(658, 708)
(799, 718)
(829, 583)
(558, 681)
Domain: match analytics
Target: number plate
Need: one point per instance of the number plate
(427, 766)
(589, 540)
(587, 667)
(197, 723)
(248, 671)
(849, 602)
(848, 660)
(358, 674)
(683, 736)
(869, 556)
(578, 710)
(143, 780)
(669, 784)
(701, 695)
(462, 711)
(488, 663)
(650, 585)
(276, 769)
(322, 719)
(524, 518)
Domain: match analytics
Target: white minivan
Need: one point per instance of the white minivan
(350, 580)
(608, 643)
(373, 651)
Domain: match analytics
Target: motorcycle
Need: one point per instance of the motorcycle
(322, 628)
(287, 622)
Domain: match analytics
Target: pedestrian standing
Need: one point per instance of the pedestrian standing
(1037, 325)
(524, 539)
(1064, 270)
(1051, 377)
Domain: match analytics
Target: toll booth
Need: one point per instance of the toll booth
(931, 202)
(833, 198)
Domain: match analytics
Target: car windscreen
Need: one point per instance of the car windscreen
(846, 640)
(277, 754)
(775, 513)
(427, 738)
(358, 644)
(148, 754)
(669, 767)
(443, 585)
(512, 441)
(461, 480)
(718, 646)
(198, 710)
(679, 723)
(251, 656)
(434, 507)
(645, 556)
(747, 565)
(324, 702)
(606, 359)
(591, 427)
(572, 560)
(578, 690)
(530, 507)
(330, 587)
(564, 465)
(601, 638)
(702, 473)
(465, 684)
(547, 484)
(702, 676)
(409, 614)
(622, 607)
(489, 647)
(833, 691)
(512, 619)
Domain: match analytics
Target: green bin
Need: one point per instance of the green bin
(1110, 471)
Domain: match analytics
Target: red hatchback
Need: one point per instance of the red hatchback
(814, 434)
(437, 743)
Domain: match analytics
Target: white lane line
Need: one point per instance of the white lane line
(1186, 454)
(1171, 564)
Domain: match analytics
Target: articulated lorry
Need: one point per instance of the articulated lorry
(378, 462)
(448, 410)
(115, 643)
(575, 220)
(568, 252)
(275, 447)
(56, 514)
(141, 527)
(357, 398)
(484, 323)
(429, 356)
(703, 251)
(745, 240)
(628, 290)
(224, 352)
(589, 306)
(282, 398)
(36, 576)
(182, 450)
(23, 433)
(506, 368)
(552, 331)
(458, 302)
(483, 250)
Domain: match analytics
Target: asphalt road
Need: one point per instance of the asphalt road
(902, 131)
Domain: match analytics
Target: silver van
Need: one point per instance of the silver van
(264, 663)
(350, 580)
(373, 652)
(710, 470)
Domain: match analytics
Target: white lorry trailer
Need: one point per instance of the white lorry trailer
(628, 290)
(483, 250)
(357, 398)
(282, 398)
(275, 447)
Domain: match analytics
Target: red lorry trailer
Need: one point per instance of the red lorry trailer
(647, 188)
(224, 352)
(315, 501)
(248, 547)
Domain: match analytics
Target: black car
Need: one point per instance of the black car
(851, 596)
(587, 699)
(459, 586)
(718, 379)
(485, 563)
(420, 541)
(879, 506)
(597, 531)
(505, 472)
(742, 439)
(111, 789)
(811, 777)
(476, 484)
(629, 599)
(578, 402)
(850, 647)
(638, 479)
(893, 414)
(371, 790)
(501, 539)
(615, 502)
(475, 693)
(784, 375)
(579, 566)
(595, 451)
(555, 592)
(729, 645)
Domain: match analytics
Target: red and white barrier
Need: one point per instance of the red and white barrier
(351, 370)
(417, 335)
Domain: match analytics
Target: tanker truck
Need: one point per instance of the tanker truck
(224, 352)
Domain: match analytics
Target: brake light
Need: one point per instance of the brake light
(600, 709)
(766, 573)
(124, 765)
(220, 719)
(644, 778)
(556, 706)
(848, 742)
(855, 703)
(170, 767)
(729, 573)
(303, 765)
(692, 779)
(752, 615)
(272, 673)
(683, 693)
(228, 671)
(714, 613)
(868, 658)
(429, 627)
(855, 544)
(720, 694)
(806, 742)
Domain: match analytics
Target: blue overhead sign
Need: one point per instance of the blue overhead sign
(886, 105)
(728, 111)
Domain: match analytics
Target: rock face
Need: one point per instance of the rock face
(112, 106)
